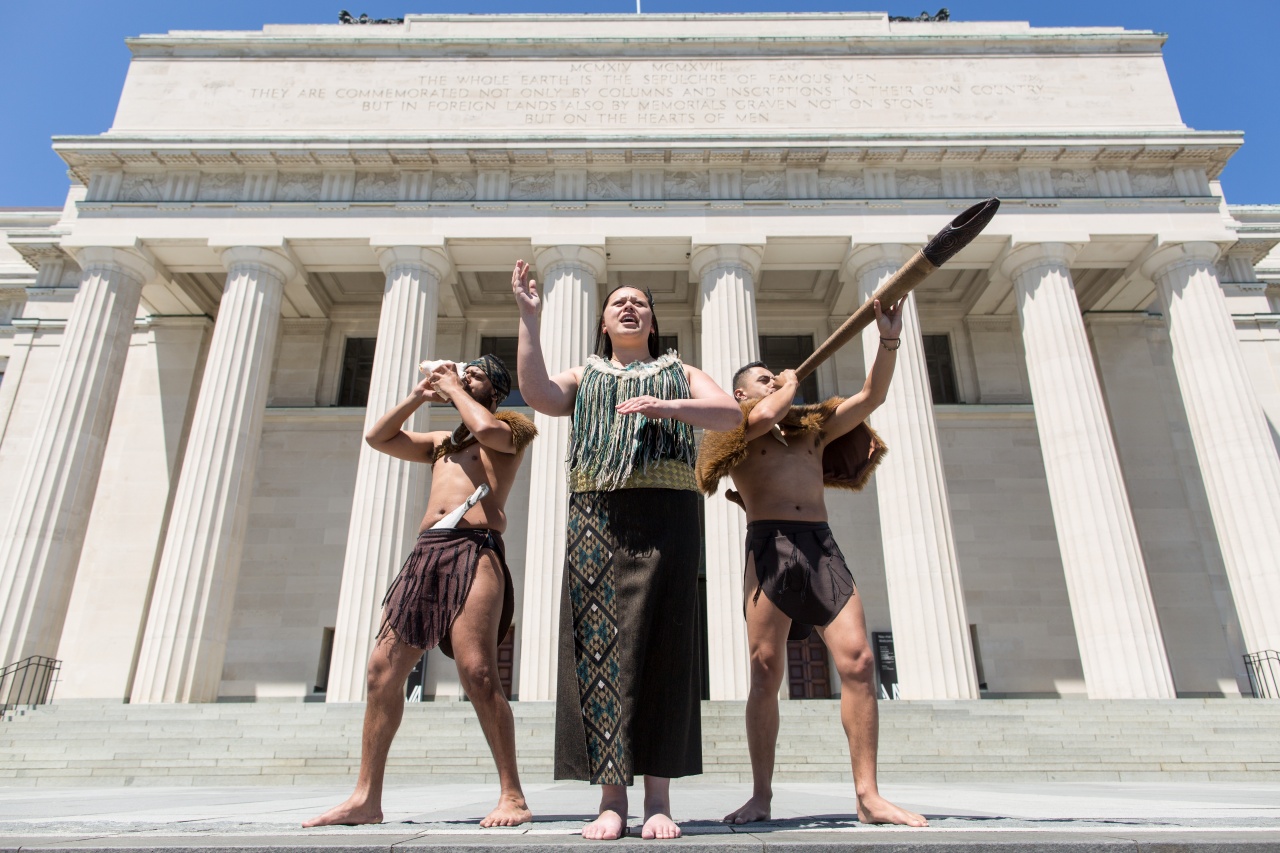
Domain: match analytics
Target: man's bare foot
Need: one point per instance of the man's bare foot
(876, 809)
(756, 808)
(607, 827)
(349, 813)
(510, 811)
(659, 825)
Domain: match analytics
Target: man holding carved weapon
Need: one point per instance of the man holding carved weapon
(780, 459)
(454, 590)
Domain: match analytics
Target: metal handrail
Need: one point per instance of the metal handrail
(1264, 673)
(28, 682)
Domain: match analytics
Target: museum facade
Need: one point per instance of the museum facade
(1082, 490)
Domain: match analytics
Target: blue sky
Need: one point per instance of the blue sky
(64, 62)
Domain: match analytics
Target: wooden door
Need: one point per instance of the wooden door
(507, 660)
(807, 670)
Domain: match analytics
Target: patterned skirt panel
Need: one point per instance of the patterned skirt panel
(629, 678)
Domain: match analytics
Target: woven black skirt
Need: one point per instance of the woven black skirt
(627, 699)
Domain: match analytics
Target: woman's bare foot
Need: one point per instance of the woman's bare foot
(659, 825)
(756, 808)
(608, 827)
(874, 808)
(511, 810)
(350, 813)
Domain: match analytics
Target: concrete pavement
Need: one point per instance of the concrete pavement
(1218, 816)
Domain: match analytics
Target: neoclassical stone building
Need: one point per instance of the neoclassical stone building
(1083, 485)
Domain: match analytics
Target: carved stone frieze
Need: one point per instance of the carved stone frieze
(841, 185)
(1074, 183)
(377, 186)
(224, 186)
(533, 186)
(998, 182)
(650, 184)
(686, 185)
(299, 186)
(453, 187)
(919, 183)
(762, 185)
(609, 186)
(147, 186)
(1153, 183)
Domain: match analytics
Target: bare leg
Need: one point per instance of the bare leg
(612, 821)
(767, 628)
(657, 809)
(474, 635)
(389, 666)
(846, 637)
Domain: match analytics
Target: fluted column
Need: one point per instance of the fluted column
(1121, 648)
(24, 333)
(185, 640)
(567, 277)
(41, 540)
(730, 338)
(390, 494)
(1229, 430)
(922, 575)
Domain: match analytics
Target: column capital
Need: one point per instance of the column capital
(707, 256)
(1031, 255)
(863, 258)
(434, 258)
(272, 259)
(1172, 255)
(136, 260)
(589, 257)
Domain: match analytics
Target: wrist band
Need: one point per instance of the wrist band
(897, 342)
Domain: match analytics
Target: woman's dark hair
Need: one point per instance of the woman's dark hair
(604, 346)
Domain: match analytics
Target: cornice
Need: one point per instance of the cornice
(1209, 150)
(37, 245)
(606, 35)
(262, 177)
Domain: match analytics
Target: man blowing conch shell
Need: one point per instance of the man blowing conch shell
(454, 590)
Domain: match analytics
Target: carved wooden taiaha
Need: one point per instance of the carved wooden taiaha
(942, 248)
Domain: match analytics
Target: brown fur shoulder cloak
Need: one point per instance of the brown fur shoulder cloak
(847, 463)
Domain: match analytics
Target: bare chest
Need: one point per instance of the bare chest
(800, 448)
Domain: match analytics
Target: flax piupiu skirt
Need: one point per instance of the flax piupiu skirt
(629, 679)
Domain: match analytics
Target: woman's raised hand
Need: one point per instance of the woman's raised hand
(525, 289)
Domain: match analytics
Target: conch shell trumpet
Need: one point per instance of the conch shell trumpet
(428, 366)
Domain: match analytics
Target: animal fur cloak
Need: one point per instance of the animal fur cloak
(522, 432)
(847, 463)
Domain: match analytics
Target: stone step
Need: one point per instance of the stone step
(283, 744)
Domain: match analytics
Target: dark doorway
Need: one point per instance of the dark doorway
(808, 675)
(357, 372)
(507, 660)
(787, 352)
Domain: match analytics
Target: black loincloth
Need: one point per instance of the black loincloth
(429, 592)
(629, 681)
(801, 570)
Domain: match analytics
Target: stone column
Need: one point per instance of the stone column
(567, 277)
(730, 338)
(390, 494)
(24, 333)
(186, 635)
(1121, 649)
(41, 540)
(922, 575)
(1229, 430)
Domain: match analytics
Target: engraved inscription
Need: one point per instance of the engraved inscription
(671, 95)
(657, 94)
